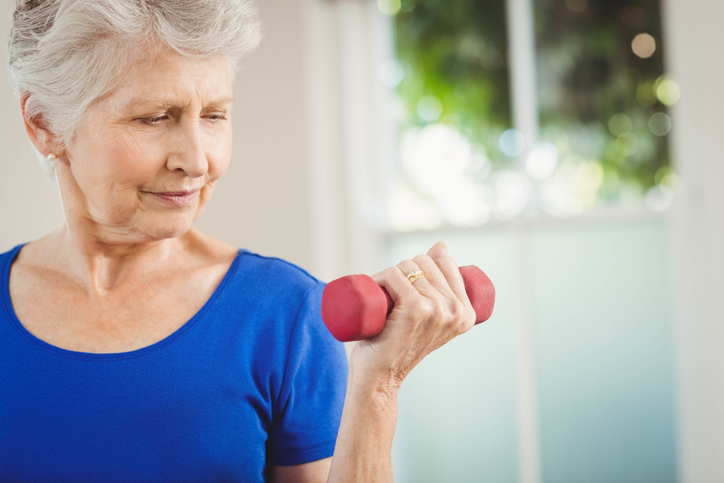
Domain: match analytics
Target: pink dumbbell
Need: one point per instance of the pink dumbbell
(355, 307)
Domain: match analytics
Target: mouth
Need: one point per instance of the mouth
(176, 198)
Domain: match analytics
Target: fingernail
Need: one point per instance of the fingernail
(441, 243)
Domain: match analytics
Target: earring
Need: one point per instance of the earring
(52, 157)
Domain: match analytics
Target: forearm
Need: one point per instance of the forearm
(364, 442)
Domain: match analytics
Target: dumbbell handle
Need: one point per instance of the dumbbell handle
(355, 307)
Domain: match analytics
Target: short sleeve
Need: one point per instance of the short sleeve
(309, 406)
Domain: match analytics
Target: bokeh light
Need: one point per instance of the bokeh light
(627, 144)
(665, 176)
(590, 178)
(542, 160)
(513, 191)
(409, 210)
(645, 94)
(553, 195)
(512, 143)
(574, 187)
(392, 73)
(643, 45)
(660, 123)
(658, 198)
(389, 7)
(620, 124)
(668, 187)
(667, 90)
(440, 163)
(429, 108)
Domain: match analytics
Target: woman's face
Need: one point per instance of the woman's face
(144, 159)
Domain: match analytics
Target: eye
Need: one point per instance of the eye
(153, 121)
(215, 117)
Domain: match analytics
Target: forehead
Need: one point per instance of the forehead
(174, 80)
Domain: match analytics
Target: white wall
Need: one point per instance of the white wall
(29, 205)
(693, 42)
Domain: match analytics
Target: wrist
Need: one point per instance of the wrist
(378, 393)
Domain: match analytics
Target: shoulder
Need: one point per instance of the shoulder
(33, 254)
(274, 269)
(7, 257)
(248, 266)
(280, 283)
(274, 306)
(272, 299)
(10, 253)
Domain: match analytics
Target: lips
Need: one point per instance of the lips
(176, 198)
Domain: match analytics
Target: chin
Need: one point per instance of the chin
(170, 227)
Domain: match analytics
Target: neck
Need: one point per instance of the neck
(101, 265)
(102, 256)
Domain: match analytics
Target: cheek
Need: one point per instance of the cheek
(220, 155)
(110, 172)
(132, 162)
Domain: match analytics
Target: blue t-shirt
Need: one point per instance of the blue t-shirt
(253, 379)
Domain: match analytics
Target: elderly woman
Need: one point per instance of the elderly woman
(136, 348)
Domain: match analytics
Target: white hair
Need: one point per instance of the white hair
(65, 54)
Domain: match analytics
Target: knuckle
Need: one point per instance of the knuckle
(457, 309)
(389, 273)
(458, 316)
(421, 259)
(448, 261)
(468, 320)
(438, 316)
(471, 315)
(434, 313)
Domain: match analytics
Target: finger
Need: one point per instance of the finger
(433, 274)
(421, 285)
(447, 278)
(438, 250)
(396, 284)
(450, 270)
(451, 297)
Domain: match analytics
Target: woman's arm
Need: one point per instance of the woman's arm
(427, 315)
(312, 472)
(364, 442)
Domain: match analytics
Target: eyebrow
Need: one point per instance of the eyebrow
(170, 103)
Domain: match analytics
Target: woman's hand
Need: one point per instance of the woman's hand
(428, 313)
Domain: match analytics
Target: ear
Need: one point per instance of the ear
(42, 138)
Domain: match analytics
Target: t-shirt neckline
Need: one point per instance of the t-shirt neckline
(111, 356)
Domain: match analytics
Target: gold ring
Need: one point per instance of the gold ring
(415, 274)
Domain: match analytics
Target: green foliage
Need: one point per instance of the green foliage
(596, 96)
(456, 51)
(588, 73)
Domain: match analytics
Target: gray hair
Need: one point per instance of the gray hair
(65, 54)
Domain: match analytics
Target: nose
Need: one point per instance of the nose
(188, 153)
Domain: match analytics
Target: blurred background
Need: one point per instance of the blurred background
(573, 149)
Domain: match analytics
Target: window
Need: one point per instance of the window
(600, 124)
(533, 139)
